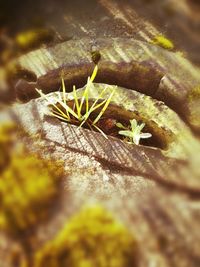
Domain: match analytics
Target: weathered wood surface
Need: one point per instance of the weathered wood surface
(179, 158)
(166, 76)
(155, 193)
(142, 20)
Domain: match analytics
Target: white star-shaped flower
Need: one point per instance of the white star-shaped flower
(133, 132)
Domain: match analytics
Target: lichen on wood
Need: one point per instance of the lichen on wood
(163, 42)
(91, 238)
(28, 186)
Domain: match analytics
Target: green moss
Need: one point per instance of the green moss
(194, 93)
(7, 139)
(91, 238)
(6, 131)
(162, 41)
(33, 38)
(27, 187)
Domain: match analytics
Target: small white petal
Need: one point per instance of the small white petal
(126, 133)
(141, 127)
(145, 135)
(133, 124)
(136, 139)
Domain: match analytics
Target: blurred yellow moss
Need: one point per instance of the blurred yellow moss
(162, 41)
(7, 139)
(6, 131)
(91, 238)
(27, 188)
(33, 38)
(194, 93)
